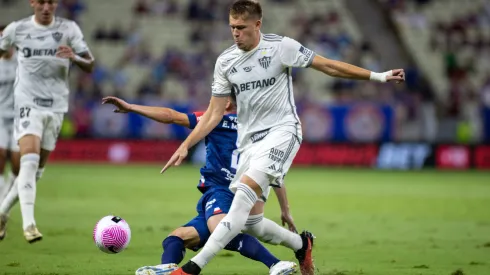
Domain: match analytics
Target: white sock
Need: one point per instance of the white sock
(270, 232)
(26, 184)
(230, 226)
(11, 198)
(3, 187)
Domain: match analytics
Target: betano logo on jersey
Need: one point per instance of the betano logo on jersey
(28, 52)
(252, 85)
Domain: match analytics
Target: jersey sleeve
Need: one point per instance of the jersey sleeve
(7, 37)
(77, 42)
(293, 54)
(194, 119)
(221, 86)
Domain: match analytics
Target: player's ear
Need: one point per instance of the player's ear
(258, 24)
(32, 2)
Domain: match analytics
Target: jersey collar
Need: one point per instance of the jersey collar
(43, 26)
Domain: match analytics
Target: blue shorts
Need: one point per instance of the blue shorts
(213, 202)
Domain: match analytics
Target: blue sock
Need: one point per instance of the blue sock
(251, 248)
(173, 250)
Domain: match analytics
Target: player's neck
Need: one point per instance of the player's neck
(256, 42)
(41, 23)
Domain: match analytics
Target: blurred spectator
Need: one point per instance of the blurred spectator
(165, 7)
(101, 32)
(141, 7)
(71, 9)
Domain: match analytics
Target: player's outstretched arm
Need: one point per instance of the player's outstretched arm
(208, 122)
(286, 216)
(84, 61)
(345, 70)
(160, 114)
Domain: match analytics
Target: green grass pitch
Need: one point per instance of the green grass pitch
(366, 222)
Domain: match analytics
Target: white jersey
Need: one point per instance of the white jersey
(42, 78)
(7, 78)
(261, 79)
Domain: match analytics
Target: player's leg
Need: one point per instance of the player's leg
(247, 192)
(12, 193)
(216, 206)
(3, 161)
(35, 130)
(4, 141)
(30, 149)
(188, 236)
(250, 247)
(270, 232)
(255, 175)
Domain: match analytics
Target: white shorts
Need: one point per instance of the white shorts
(7, 134)
(42, 123)
(272, 155)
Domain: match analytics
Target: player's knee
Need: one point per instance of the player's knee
(189, 235)
(29, 161)
(30, 144)
(258, 208)
(253, 225)
(257, 180)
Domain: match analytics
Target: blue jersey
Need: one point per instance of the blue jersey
(221, 153)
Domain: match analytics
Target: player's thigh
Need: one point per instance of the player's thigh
(51, 131)
(214, 221)
(188, 234)
(274, 157)
(242, 167)
(28, 129)
(217, 203)
(5, 140)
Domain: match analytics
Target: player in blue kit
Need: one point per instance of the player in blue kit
(216, 176)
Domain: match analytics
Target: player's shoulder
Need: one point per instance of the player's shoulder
(61, 22)
(21, 23)
(230, 53)
(272, 38)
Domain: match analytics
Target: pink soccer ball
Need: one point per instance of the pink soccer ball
(112, 234)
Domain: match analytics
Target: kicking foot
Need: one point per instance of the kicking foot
(304, 255)
(161, 269)
(283, 268)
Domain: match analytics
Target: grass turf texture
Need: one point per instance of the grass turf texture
(366, 222)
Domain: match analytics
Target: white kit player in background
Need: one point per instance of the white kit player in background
(47, 46)
(258, 69)
(9, 151)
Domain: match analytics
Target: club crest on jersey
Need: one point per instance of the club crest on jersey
(57, 36)
(265, 62)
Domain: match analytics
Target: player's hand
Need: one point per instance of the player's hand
(287, 218)
(121, 105)
(65, 52)
(398, 76)
(177, 158)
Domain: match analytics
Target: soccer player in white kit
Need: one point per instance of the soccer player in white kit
(47, 45)
(258, 69)
(9, 151)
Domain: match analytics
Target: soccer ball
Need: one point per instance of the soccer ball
(112, 234)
